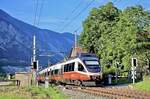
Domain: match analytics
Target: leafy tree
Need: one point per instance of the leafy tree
(117, 36)
(133, 38)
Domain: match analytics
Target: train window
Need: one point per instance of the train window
(52, 72)
(69, 67)
(56, 72)
(64, 68)
(80, 67)
(72, 66)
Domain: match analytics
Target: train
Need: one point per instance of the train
(83, 70)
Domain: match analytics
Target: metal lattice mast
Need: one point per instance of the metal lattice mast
(34, 48)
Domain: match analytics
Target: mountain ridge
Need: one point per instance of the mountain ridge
(16, 41)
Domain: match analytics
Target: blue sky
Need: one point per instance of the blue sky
(56, 14)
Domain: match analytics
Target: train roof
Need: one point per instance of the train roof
(58, 65)
(70, 60)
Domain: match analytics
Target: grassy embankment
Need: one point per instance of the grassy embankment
(30, 93)
(143, 85)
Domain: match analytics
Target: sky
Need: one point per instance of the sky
(60, 15)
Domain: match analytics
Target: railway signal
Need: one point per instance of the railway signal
(133, 69)
(35, 65)
(134, 62)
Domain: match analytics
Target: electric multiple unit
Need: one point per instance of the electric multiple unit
(82, 70)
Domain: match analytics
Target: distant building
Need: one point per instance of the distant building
(75, 51)
(24, 78)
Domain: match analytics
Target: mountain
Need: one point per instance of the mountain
(16, 42)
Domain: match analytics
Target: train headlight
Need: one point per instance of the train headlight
(93, 77)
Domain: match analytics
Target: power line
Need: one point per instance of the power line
(117, 1)
(79, 4)
(36, 9)
(40, 12)
(73, 10)
(74, 18)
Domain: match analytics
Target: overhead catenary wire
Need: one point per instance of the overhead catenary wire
(117, 1)
(40, 12)
(79, 27)
(36, 3)
(36, 20)
(74, 18)
(74, 10)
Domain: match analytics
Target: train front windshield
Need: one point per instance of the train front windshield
(91, 62)
(92, 65)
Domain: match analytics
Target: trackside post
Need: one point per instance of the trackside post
(133, 69)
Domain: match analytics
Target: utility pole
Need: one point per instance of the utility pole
(34, 63)
(34, 48)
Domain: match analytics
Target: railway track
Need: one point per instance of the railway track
(113, 93)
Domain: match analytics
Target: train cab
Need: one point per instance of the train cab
(91, 62)
(92, 65)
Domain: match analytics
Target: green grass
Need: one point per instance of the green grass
(47, 92)
(143, 85)
(11, 97)
(11, 92)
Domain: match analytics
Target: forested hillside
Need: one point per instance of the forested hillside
(117, 35)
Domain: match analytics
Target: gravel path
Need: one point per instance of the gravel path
(79, 95)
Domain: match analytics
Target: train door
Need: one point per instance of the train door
(83, 73)
(76, 66)
(61, 73)
(50, 76)
(80, 67)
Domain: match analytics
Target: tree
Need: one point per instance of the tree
(116, 36)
